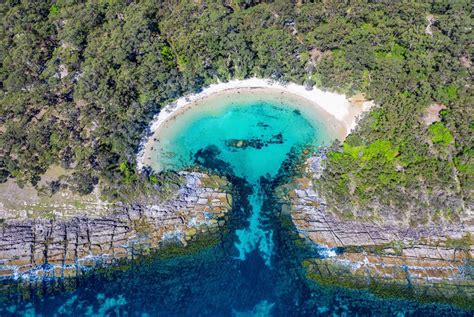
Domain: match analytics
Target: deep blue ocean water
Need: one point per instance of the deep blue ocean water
(255, 270)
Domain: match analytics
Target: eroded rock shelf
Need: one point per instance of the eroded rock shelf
(431, 261)
(32, 248)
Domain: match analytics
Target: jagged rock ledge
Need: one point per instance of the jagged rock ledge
(41, 248)
(429, 263)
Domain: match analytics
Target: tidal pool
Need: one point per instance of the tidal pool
(255, 269)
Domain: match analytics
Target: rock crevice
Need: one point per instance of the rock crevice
(435, 257)
(32, 248)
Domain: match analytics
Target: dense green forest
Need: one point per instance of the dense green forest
(81, 80)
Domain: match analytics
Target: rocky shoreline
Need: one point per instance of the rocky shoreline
(423, 262)
(427, 263)
(43, 248)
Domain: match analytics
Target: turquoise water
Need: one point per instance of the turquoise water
(255, 269)
(268, 131)
(253, 138)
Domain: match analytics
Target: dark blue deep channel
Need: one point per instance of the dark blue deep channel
(252, 269)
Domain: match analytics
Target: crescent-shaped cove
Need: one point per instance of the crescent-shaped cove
(248, 134)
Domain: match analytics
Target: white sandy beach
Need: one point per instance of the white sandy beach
(337, 109)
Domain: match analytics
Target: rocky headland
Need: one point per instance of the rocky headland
(426, 262)
(77, 239)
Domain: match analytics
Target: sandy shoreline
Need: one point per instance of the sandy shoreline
(336, 110)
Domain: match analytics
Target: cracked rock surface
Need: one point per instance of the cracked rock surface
(59, 247)
(436, 257)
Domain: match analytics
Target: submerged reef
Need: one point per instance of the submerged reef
(256, 143)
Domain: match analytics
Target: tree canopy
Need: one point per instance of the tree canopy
(81, 80)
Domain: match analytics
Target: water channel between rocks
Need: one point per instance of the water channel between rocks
(256, 270)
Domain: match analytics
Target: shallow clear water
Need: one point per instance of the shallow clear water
(253, 139)
(256, 269)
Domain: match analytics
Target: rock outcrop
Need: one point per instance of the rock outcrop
(63, 247)
(432, 261)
